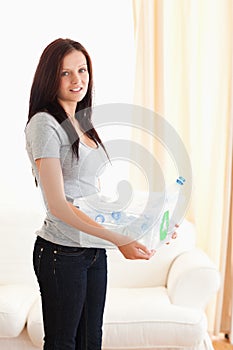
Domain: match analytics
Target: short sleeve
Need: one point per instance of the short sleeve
(42, 136)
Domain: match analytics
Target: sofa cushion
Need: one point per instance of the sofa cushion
(35, 324)
(15, 303)
(22, 342)
(145, 317)
(138, 318)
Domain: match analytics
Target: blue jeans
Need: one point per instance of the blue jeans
(73, 288)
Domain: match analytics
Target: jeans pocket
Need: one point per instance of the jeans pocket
(37, 256)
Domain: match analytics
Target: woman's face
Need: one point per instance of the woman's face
(74, 79)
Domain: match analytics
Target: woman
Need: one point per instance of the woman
(59, 135)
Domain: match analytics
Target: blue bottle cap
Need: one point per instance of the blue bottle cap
(180, 181)
(100, 218)
(116, 215)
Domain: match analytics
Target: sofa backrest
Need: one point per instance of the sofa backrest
(17, 237)
(153, 272)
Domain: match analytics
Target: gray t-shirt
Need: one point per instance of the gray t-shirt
(46, 138)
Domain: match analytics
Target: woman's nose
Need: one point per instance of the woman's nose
(76, 78)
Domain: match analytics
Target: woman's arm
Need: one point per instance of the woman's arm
(51, 180)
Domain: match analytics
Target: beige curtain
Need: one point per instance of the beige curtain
(225, 305)
(184, 60)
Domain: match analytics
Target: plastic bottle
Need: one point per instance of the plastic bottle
(169, 218)
(114, 217)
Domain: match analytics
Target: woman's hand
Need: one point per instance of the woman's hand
(135, 250)
(174, 235)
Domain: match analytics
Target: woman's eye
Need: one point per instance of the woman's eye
(64, 74)
(82, 70)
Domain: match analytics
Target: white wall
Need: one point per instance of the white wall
(104, 27)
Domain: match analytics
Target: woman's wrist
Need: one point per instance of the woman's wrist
(119, 239)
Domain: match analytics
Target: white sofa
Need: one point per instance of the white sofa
(156, 304)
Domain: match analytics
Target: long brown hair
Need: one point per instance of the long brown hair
(43, 96)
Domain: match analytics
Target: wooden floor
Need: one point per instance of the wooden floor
(222, 344)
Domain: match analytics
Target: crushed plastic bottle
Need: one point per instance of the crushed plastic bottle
(169, 218)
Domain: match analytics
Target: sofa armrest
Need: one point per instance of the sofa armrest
(192, 279)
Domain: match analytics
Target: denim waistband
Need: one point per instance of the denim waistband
(53, 245)
(56, 245)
